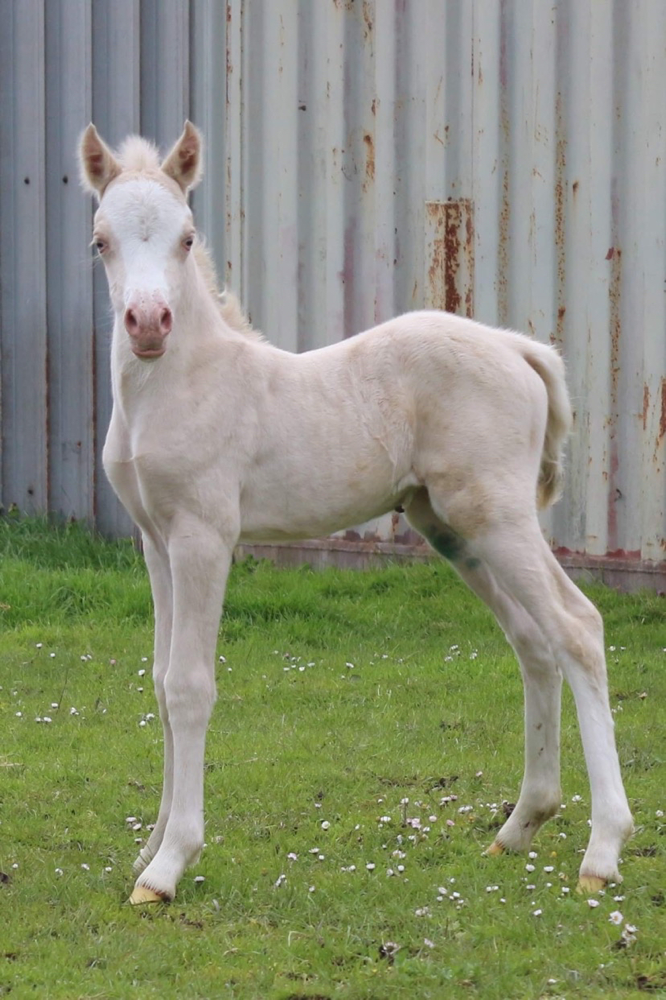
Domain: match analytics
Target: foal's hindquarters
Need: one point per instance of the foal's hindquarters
(486, 524)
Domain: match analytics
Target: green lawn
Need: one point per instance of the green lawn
(367, 731)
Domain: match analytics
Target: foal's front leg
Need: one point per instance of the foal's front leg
(200, 559)
(157, 561)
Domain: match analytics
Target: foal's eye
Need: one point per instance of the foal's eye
(99, 245)
(188, 243)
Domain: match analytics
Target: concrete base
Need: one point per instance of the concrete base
(627, 575)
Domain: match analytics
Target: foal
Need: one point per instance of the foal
(217, 437)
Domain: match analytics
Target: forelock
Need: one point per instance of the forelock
(136, 153)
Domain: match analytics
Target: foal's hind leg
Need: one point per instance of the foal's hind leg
(516, 553)
(540, 794)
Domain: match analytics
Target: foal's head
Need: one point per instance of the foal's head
(143, 230)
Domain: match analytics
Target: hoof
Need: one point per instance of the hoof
(588, 885)
(494, 850)
(142, 895)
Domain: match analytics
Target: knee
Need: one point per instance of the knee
(190, 697)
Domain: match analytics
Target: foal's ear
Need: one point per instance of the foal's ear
(98, 165)
(183, 163)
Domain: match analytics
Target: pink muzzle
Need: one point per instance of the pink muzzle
(148, 323)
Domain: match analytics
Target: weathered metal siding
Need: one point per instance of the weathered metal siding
(63, 63)
(501, 158)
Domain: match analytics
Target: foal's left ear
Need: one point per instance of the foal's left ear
(183, 163)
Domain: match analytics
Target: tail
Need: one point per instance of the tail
(549, 366)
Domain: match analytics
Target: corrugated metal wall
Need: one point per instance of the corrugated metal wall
(63, 63)
(502, 158)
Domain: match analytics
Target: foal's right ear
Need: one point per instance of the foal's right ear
(98, 166)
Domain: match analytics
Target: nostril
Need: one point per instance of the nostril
(166, 321)
(131, 322)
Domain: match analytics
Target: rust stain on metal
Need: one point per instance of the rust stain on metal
(451, 255)
(369, 160)
(646, 404)
(615, 295)
(662, 414)
(367, 17)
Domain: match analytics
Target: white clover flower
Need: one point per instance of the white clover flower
(616, 918)
(325, 825)
(593, 903)
(537, 913)
(629, 934)
(199, 878)
(370, 866)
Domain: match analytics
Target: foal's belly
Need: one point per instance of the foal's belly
(281, 515)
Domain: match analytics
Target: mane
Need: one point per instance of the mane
(136, 153)
(228, 303)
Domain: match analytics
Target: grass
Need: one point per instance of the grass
(342, 695)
